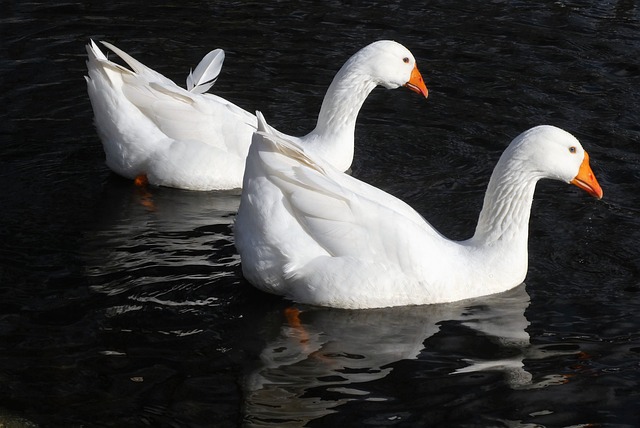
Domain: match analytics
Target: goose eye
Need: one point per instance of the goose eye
(572, 149)
(406, 59)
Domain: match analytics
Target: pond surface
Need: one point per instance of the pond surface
(122, 307)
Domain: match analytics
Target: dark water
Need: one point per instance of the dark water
(127, 308)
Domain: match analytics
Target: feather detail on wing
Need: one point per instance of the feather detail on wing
(184, 115)
(206, 73)
(336, 210)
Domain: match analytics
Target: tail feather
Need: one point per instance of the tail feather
(136, 65)
(94, 52)
(98, 62)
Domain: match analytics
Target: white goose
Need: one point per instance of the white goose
(151, 127)
(308, 232)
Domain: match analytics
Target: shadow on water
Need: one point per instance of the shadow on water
(151, 233)
(327, 358)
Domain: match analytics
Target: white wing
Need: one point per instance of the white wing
(180, 114)
(346, 217)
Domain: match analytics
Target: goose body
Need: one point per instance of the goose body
(149, 126)
(306, 231)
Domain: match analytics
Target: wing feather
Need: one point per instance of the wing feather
(343, 215)
(206, 73)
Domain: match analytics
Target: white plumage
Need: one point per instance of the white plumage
(192, 140)
(308, 232)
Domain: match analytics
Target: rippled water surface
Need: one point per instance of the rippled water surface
(127, 307)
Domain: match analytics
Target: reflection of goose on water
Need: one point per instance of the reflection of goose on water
(307, 371)
(159, 236)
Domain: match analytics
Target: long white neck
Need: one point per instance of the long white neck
(499, 245)
(333, 136)
(507, 205)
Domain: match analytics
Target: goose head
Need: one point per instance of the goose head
(383, 63)
(551, 152)
(391, 65)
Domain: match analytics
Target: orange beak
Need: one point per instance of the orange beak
(586, 180)
(416, 83)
